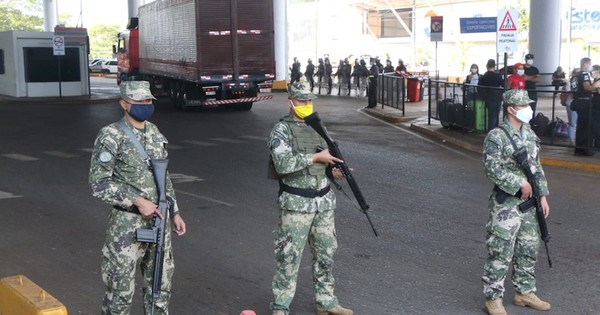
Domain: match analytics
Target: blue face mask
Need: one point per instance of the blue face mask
(141, 112)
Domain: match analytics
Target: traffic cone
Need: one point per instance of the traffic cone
(247, 312)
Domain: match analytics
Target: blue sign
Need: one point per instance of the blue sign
(478, 25)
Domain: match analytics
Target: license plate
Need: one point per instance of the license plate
(211, 93)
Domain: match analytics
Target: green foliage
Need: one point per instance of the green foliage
(102, 38)
(17, 15)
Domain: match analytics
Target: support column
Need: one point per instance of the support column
(50, 15)
(132, 8)
(545, 35)
(280, 37)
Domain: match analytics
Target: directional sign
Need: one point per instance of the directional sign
(58, 42)
(507, 34)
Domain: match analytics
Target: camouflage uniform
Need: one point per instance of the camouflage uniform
(302, 219)
(507, 225)
(118, 175)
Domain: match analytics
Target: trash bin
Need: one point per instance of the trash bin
(414, 89)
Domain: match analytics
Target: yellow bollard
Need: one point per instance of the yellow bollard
(20, 296)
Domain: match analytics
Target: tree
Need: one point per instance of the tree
(102, 38)
(19, 15)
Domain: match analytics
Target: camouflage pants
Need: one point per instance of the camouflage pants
(294, 229)
(121, 256)
(513, 238)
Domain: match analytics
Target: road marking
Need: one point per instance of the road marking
(20, 157)
(419, 136)
(174, 147)
(255, 138)
(60, 154)
(89, 150)
(7, 195)
(227, 140)
(196, 142)
(205, 198)
(182, 178)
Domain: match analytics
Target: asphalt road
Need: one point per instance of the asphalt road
(428, 201)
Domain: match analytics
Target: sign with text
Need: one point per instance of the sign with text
(437, 28)
(507, 33)
(478, 25)
(73, 36)
(58, 43)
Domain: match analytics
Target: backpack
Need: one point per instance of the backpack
(563, 97)
(540, 124)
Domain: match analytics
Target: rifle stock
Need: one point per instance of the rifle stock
(314, 121)
(523, 161)
(156, 235)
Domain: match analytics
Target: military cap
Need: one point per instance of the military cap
(298, 91)
(136, 90)
(529, 56)
(517, 97)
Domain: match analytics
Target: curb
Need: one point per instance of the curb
(391, 118)
(460, 143)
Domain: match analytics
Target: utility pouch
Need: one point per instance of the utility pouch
(527, 205)
(146, 235)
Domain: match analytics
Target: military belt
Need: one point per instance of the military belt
(133, 209)
(307, 193)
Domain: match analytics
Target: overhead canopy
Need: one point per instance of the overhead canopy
(378, 5)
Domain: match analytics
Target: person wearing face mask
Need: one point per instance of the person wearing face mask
(301, 162)
(596, 107)
(532, 77)
(517, 79)
(582, 88)
(120, 177)
(472, 80)
(512, 235)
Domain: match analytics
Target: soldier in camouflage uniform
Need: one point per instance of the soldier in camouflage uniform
(512, 235)
(307, 206)
(120, 177)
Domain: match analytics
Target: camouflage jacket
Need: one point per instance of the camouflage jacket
(118, 174)
(500, 166)
(287, 161)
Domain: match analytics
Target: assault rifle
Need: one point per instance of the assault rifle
(534, 201)
(156, 234)
(314, 121)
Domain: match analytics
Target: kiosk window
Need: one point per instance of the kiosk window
(1, 61)
(42, 66)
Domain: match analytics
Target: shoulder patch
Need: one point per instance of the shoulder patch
(275, 143)
(105, 156)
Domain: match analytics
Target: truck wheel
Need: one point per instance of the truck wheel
(246, 106)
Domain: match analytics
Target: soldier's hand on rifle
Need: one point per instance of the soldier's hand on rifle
(526, 191)
(325, 157)
(545, 206)
(179, 227)
(147, 208)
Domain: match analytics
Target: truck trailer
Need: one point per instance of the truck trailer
(201, 53)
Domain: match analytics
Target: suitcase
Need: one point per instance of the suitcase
(479, 119)
(446, 111)
(20, 296)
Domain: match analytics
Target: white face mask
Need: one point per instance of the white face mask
(530, 62)
(520, 72)
(525, 114)
(473, 70)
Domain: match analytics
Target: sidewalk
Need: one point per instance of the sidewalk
(416, 119)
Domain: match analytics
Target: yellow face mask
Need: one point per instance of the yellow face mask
(303, 111)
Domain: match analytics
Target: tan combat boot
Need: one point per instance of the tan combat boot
(495, 307)
(531, 300)
(278, 312)
(336, 310)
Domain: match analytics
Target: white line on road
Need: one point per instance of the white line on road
(204, 198)
(60, 154)
(7, 195)
(20, 157)
(255, 138)
(227, 140)
(196, 142)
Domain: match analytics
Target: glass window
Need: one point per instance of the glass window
(42, 66)
(391, 27)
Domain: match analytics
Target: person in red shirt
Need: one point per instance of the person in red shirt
(517, 79)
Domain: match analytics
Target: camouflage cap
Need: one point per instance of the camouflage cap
(136, 90)
(516, 97)
(298, 91)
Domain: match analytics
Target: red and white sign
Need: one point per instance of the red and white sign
(58, 43)
(507, 34)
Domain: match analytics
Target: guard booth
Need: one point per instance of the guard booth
(29, 68)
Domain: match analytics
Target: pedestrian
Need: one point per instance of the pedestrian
(401, 67)
(583, 89)
(472, 80)
(373, 78)
(339, 74)
(517, 79)
(320, 73)
(309, 74)
(296, 74)
(328, 72)
(532, 77)
(571, 114)
(306, 204)
(558, 78)
(512, 235)
(596, 107)
(120, 177)
(388, 67)
(489, 87)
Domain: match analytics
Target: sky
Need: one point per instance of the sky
(94, 12)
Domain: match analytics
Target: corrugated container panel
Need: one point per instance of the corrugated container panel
(168, 38)
(215, 42)
(256, 46)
